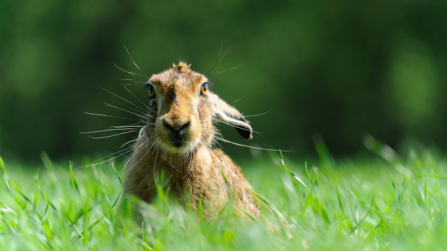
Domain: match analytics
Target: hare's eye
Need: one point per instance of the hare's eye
(151, 91)
(204, 89)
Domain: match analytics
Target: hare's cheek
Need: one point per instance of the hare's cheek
(195, 129)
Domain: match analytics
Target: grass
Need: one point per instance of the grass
(369, 204)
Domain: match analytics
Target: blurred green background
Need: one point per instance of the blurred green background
(341, 69)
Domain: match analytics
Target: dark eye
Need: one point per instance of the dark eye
(204, 88)
(151, 91)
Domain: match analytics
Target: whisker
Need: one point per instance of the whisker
(253, 147)
(135, 153)
(136, 98)
(225, 70)
(218, 56)
(139, 83)
(257, 114)
(129, 142)
(133, 125)
(113, 135)
(135, 74)
(133, 60)
(110, 116)
(139, 115)
(108, 130)
(137, 111)
(153, 171)
(122, 98)
(224, 54)
(218, 61)
(124, 151)
(236, 101)
(169, 162)
(128, 126)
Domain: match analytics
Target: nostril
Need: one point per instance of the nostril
(185, 126)
(174, 130)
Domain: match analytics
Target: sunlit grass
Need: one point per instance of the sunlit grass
(399, 204)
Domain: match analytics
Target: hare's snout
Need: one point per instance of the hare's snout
(177, 133)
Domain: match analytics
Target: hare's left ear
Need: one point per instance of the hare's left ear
(230, 115)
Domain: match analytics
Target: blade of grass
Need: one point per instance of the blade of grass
(201, 210)
(291, 173)
(73, 179)
(248, 215)
(364, 217)
(226, 182)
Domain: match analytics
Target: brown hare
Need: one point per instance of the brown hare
(177, 141)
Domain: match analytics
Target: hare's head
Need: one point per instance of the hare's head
(182, 109)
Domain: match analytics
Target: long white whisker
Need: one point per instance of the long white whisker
(142, 110)
(236, 101)
(218, 56)
(108, 130)
(224, 54)
(218, 61)
(247, 116)
(225, 70)
(128, 142)
(153, 171)
(133, 60)
(130, 168)
(131, 73)
(253, 147)
(128, 126)
(124, 151)
(127, 79)
(103, 115)
(169, 162)
(135, 153)
(113, 135)
(136, 98)
(139, 115)
(138, 111)
(138, 83)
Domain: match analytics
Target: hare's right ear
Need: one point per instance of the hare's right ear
(230, 115)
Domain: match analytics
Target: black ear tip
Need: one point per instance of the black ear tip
(244, 132)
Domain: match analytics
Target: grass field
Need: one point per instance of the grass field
(366, 204)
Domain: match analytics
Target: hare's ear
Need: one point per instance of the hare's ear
(230, 115)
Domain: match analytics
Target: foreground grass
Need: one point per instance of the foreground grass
(363, 205)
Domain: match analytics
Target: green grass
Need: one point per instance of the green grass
(369, 204)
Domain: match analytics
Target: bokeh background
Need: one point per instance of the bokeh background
(340, 69)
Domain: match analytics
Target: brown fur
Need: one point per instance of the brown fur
(194, 168)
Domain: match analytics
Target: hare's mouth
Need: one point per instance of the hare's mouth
(175, 142)
(178, 142)
(176, 145)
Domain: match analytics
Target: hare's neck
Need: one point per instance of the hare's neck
(186, 173)
(181, 165)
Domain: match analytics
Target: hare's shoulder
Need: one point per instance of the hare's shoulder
(231, 170)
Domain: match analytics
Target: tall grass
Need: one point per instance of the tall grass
(398, 204)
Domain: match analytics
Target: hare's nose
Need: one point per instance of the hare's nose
(176, 130)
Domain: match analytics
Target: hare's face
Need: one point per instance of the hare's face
(182, 109)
